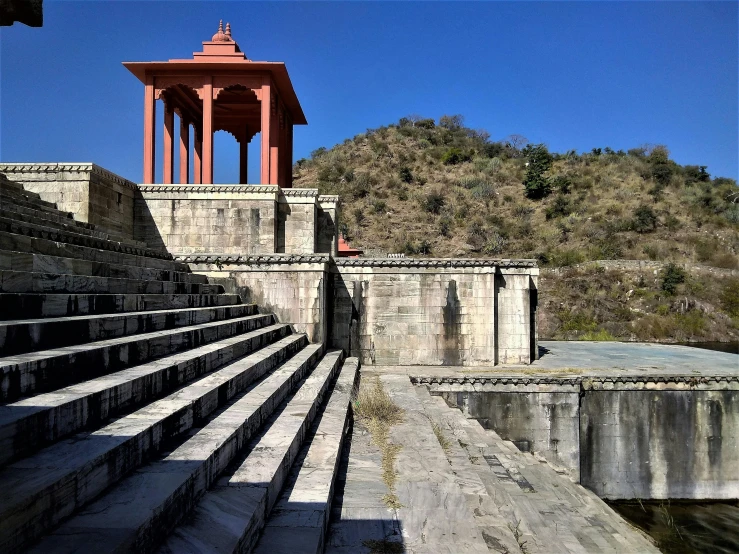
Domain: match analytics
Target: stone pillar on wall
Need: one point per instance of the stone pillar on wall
(297, 221)
(327, 233)
(513, 327)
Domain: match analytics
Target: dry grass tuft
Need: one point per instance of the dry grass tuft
(443, 441)
(378, 413)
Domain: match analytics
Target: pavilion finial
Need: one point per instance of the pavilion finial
(220, 36)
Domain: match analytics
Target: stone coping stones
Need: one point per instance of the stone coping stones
(299, 521)
(251, 490)
(32, 372)
(61, 171)
(165, 491)
(25, 305)
(26, 335)
(42, 490)
(31, 423)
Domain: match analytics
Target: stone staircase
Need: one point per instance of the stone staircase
(519, 499)
(143, 409)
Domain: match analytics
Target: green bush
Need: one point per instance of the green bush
(405, 175)
(560, 207)
(494, 244)
(645, 220)
(483, 191)
(672, 276)
(539, 160)
(453, 156)
(445, 226)
(378, 206)
(358, 214)
(433, 202)
(730, 297)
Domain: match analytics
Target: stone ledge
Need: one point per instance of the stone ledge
(209, 188)
(435, 262)
(300, 192)
(585, 383)
(57, 167)
(252, 260)
(328, 199)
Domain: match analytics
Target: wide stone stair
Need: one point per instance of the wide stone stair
(520, 496)
(143, 409)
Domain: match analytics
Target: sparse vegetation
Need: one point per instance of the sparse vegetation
(446, 190)
(378, 413)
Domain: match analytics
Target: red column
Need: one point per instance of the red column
(184, 151)
(289, 153)
(274, 144)
(168, 144)
(149, 136)
(244, 158)
(266, 107)
(198, 157)
(207, 167)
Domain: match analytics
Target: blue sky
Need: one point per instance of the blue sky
(573, 75)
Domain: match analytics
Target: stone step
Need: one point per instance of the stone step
(20, 336)
(22, 202)
(60, 221)
(23, 281)
(58, 481)
(29, 424)
(40, 263)
(45, 370)
(548, 510)
(252, 488)
(493, 525)
(10, 194)
(31, 305)
(57, 235)
(164, 491)
(6, 183)
(299, 521)
(52, 247)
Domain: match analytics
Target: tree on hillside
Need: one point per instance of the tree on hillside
(452, 122)
(517, 142)
(539, 160)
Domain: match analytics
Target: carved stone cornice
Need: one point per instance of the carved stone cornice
(585, 383)
(328, 199)
(303, 193)
(265, 259)
(436, 262)
(67, 167)
(265, 189)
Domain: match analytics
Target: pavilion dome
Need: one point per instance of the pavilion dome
(220, 36)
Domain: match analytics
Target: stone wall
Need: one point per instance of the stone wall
(434, 312)
(660, 444)
(639, 438)
(208, 219)
(291, 287)
(91, 193)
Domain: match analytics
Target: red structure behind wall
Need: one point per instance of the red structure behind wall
(219, 89)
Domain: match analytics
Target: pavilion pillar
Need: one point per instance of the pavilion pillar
(197, 164)
(266, 103)
(168, 141)
(207, 154)
(184, 151)
(274, 143)
(149, 131)
(289, 154)
(244, 159)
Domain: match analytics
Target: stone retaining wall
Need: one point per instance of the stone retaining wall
(638, 438)
(434, 312)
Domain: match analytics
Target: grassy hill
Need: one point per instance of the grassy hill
(440, 189)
